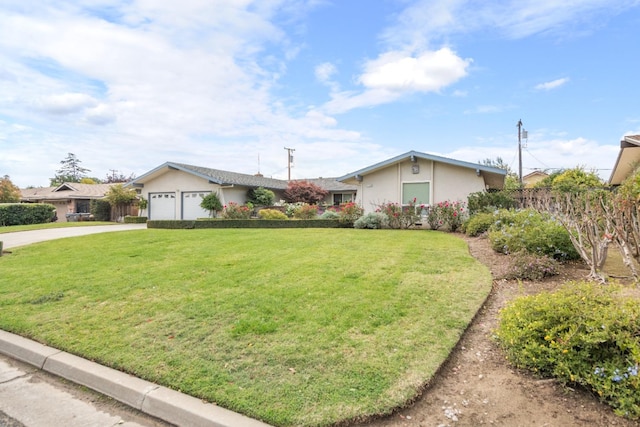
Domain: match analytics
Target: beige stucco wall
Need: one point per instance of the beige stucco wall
(455, 183)
(385, 185)
(448, 182)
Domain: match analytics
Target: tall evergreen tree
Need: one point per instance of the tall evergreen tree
(70, 171)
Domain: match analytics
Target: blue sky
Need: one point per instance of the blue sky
(127, 85)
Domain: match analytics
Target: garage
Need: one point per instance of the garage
(191, 204)
(162, 206)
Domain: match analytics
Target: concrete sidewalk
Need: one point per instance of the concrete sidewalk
(148, 398)
(26, 400)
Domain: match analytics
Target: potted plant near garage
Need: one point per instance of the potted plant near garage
(211, 202)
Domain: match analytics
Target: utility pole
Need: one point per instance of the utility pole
(289, 159)
(520, 152)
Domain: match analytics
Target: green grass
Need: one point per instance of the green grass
(14, 228)
(294, 326)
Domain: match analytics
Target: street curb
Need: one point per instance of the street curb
(160, 402)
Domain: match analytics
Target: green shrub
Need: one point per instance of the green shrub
(488, 201)
(478, 223)
(528, 266)
(584, 334)
(528, 230)
(26, 213)
(211, 202)
(372, 220)
(306, 211)
(261, 196)
(129, 219)
(100, 209)
(272, 214)
(330, 214)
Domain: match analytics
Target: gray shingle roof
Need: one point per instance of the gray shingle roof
(68, 190)
(222, 177)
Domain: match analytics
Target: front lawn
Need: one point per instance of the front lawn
(293, 326)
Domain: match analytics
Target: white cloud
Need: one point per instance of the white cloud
(325, 71)
(428, 71)
(65, 103)
(552, 84)
(395, 74)
(425, 23)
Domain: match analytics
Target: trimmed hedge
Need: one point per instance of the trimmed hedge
(26, 213)
(244, 223)
(129, 219)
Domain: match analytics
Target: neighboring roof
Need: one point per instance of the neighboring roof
(492, 175)
(535, 174)
(628, 159)
(68, 190)
(220, 177)
(331, 184)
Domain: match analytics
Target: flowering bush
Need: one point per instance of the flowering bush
(528, 266)
(448, 214)
(349, 213)
(585, 334)
(233, 210)
(399, 216)
(306, 211)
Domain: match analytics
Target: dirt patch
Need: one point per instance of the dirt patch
(476, 386)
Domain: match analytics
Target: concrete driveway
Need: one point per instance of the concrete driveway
(22, 238)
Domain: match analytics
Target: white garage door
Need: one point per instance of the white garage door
(191, 205)
(162, 206)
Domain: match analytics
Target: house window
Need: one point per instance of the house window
(340, 198)
(420, 191)
(82, 206)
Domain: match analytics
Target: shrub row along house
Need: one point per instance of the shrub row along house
(175, 190)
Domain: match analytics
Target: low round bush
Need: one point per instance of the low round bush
(528, 230)
(583, 333)
(271, 214)
(330, 214)
(528, 266)
(478, 223)
(372, 220)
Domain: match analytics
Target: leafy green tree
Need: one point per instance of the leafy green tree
(211, 202)
(119, 198)
(9, 193)
(576, 180)
(70, 171)
(261, 196)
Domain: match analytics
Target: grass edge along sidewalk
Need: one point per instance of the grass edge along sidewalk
(294, 327)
